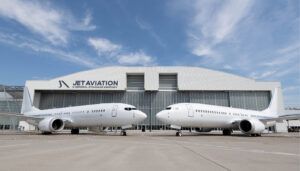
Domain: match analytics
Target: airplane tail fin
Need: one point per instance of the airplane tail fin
(275, 104)
(27, 105)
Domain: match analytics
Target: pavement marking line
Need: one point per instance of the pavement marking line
(204, 157)
(14, 145)
(44, 151)
(240, 149)
(264, 152)
(167, 142)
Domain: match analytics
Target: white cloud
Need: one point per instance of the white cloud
(290, 48)
(104, 46)
(289, 54)
(36, 46)
(202, 50)
(228, 67)
(214, 22)
(256, 75)
(146, 26)
(53, 24)
(84, 25)
(115, 53)
(135, 58)
(229, 17)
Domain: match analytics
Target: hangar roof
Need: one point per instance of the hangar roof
(189, 79)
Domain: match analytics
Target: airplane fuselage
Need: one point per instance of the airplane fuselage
(106, 114)
(206, 116)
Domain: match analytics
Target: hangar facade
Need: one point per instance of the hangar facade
(151, 89)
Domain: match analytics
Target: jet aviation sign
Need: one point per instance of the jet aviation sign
(90, 84)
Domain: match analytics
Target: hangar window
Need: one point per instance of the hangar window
(135, 82)
(167, 81)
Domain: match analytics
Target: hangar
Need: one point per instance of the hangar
(151, 89)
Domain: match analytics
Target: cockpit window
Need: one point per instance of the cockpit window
(130, 108)
(168, 108)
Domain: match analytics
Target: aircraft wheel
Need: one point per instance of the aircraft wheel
(227, 132)
(124, 133)
(46, 133)
(75, 131)
(178, 134)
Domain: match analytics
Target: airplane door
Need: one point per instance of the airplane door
(133, 113)
(114, 111)
(190, 111)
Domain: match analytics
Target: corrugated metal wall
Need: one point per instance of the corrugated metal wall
(153, 102)
(10, 102)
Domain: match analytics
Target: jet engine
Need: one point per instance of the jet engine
(251, 126)
(51, 125)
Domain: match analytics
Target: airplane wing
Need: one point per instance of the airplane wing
(20, 116)
(282, 118)
(268, 119)
(33, 119)
(290, 117)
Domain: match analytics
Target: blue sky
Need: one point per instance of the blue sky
(251, 38)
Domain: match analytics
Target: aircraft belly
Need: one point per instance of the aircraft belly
(205, 122)
(85, 120)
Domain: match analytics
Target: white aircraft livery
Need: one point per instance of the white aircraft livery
(205, 117)
(92, 116)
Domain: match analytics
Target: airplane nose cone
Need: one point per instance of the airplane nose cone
(141, 115)
(160, 116)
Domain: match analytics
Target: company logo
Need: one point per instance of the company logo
(63, 84)
(90, 84)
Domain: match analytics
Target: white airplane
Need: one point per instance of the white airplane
(205, 117)
(92, 116)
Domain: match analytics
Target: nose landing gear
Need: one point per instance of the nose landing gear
(123, 133)
(178, 133)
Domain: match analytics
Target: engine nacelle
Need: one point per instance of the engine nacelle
(251, 126)
(51, 125)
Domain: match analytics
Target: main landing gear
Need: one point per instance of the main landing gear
(255, 135)
(123, 133)
(178, 133)
(227, 132)
(75, 131)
